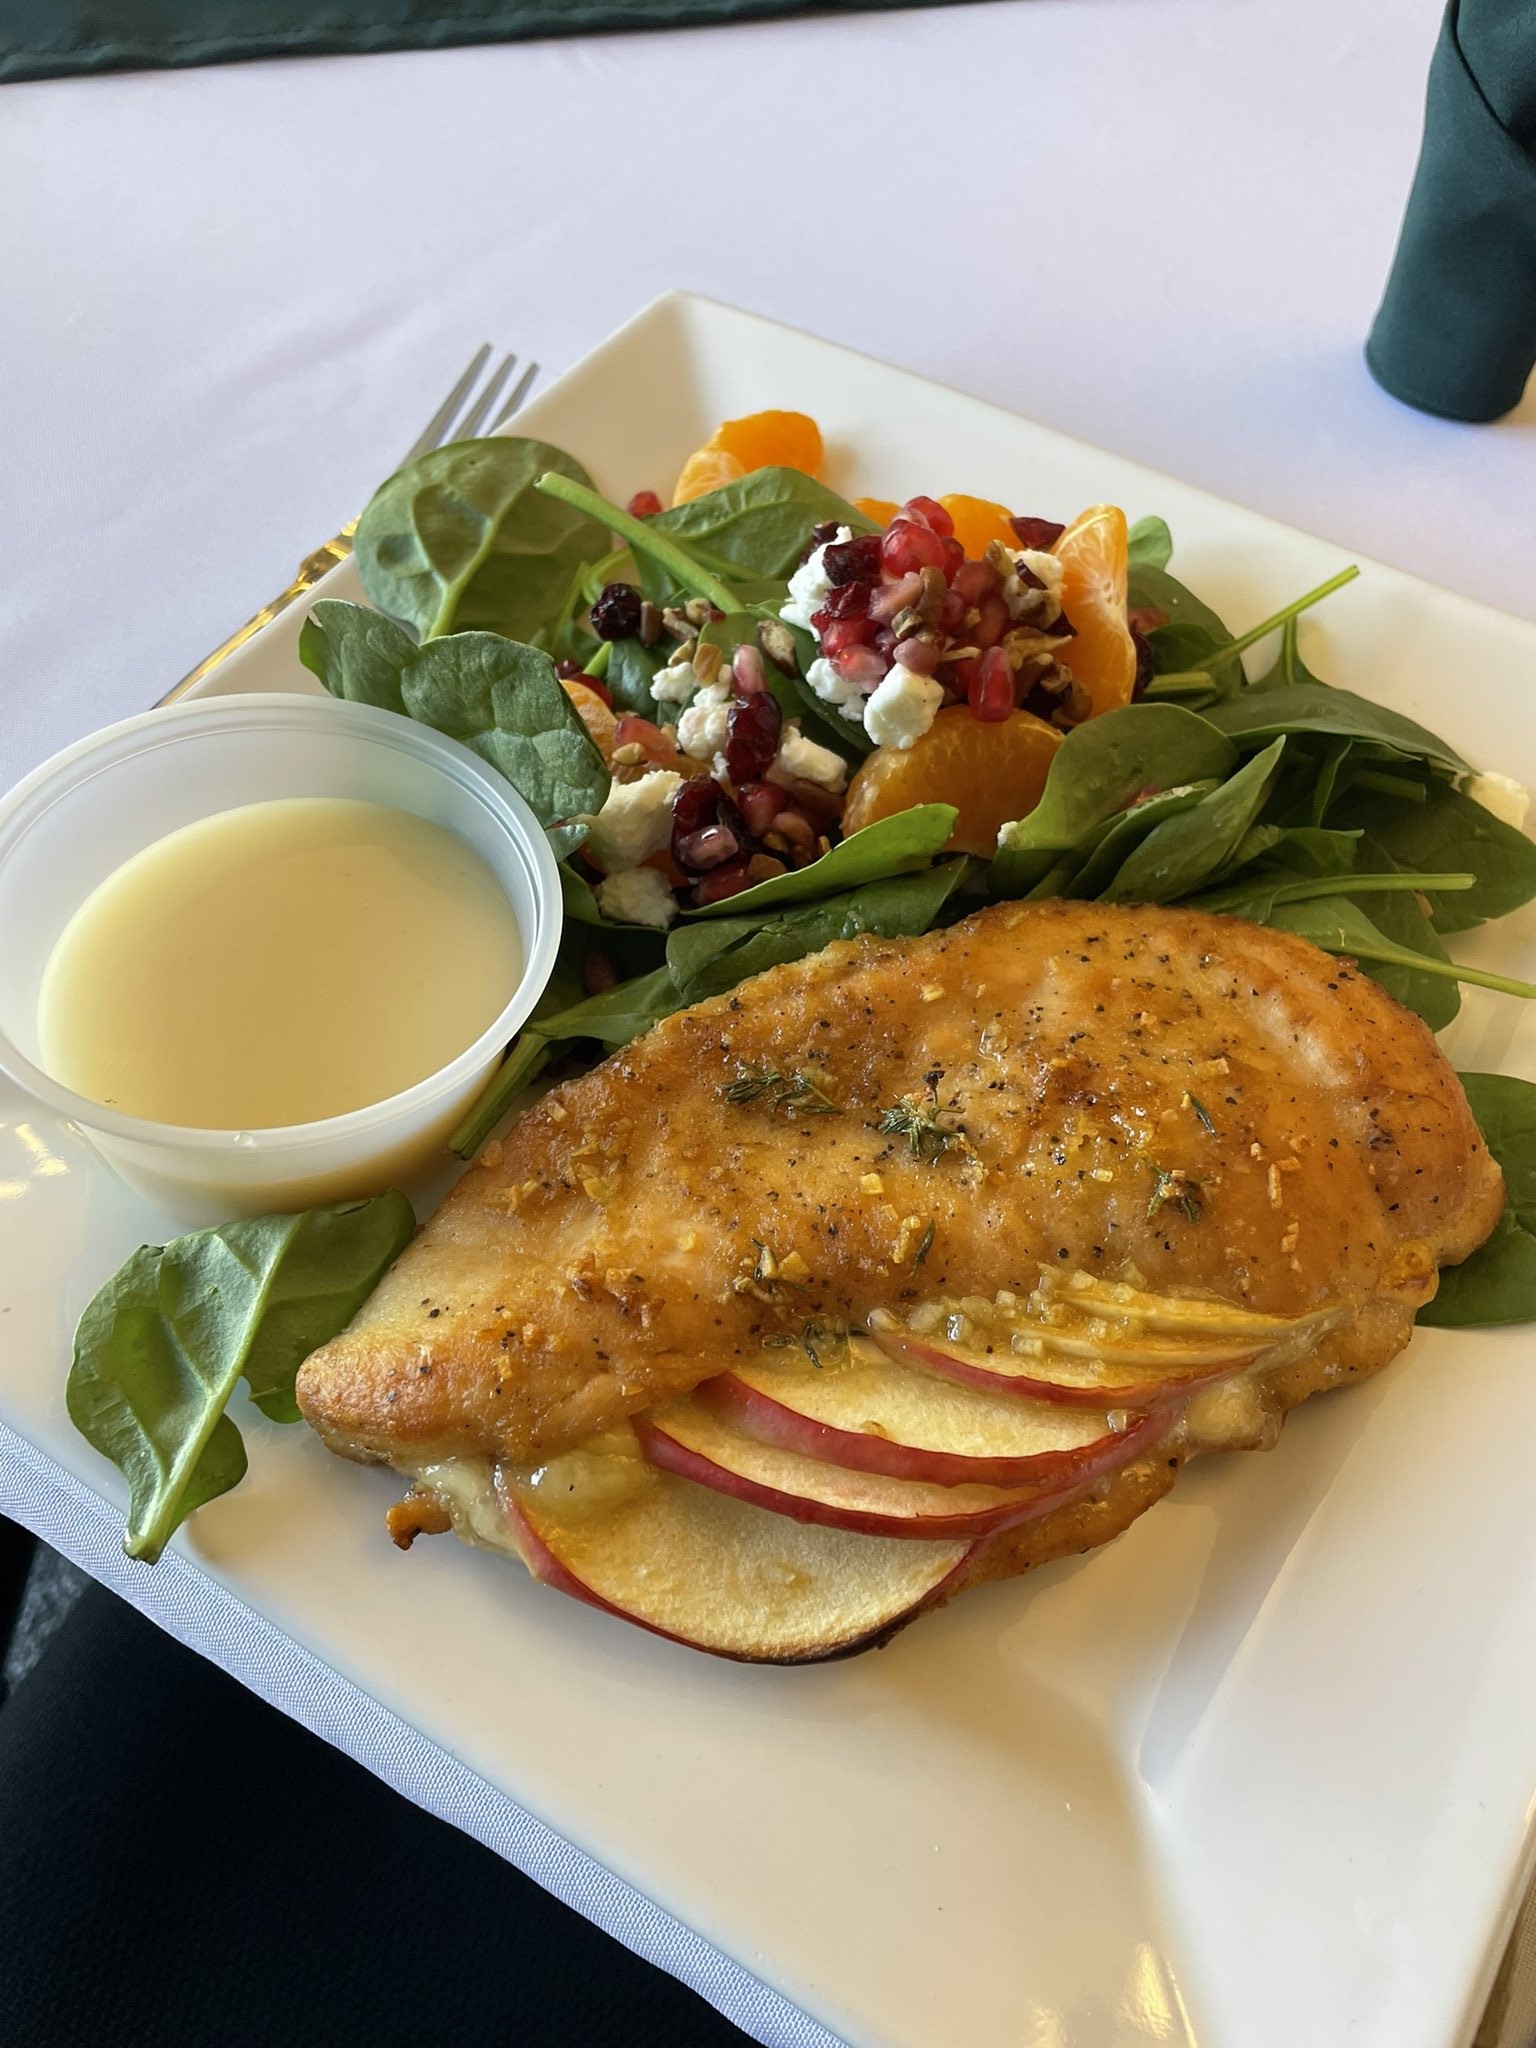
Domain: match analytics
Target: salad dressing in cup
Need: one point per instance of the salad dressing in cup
(266, 950)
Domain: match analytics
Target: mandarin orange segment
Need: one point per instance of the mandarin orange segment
(706, 470)
(978, 522)
(992, 773)
(593, 713)
(880, 511)
(1094, 557)
(772, 440)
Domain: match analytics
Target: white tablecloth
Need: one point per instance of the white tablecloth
(231, 295)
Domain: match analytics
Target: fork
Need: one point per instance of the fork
(455, 420)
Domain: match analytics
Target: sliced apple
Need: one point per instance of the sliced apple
(688, 1438)
(1098, 1378)
(1188, 1315)
(871, 1413)
(713, 1571)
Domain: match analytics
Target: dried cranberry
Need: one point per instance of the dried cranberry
(1040, 534)
(597, 686)
(752, 728)
(1146, 661)
(598, 972)
(930, 513)
(643, 505)
(846, 601)
(701, 810)
(974, 581)
(837, 634)
(616, 614)
(990, 692)
(992, 622)
(821, 535)
(567, 670)
(906, 547)
(853, 561)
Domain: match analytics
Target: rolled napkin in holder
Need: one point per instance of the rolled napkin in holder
(1456, 332)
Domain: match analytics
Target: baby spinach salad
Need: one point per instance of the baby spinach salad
(681, 696)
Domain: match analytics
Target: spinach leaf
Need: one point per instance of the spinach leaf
(707, 959)
(1183, 852)
(760, 523)
(162, 1347)
(1340, 926)
(1151, 544)
(1098, 770)
(1125, 834)
(498, 696)
(613, 1018)
(1498, 1283)
(460, 538)
(1448, 830)
(631, 668)
(1150, 585)
(1398, 917)
(891, 846)
(1258, 716)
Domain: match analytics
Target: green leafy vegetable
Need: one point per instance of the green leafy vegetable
(1448, 830)
(162, 1347)
(1181, 853)
(1498, 1283)
(1151, 545)
(760, 523)
(498, 696)
(1098, 771)
(1339, 926)
(460, 539)
(1258, 716)
(891, 846)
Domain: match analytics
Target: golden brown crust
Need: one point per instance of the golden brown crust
(636, 1230)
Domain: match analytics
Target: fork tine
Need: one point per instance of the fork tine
(520, 391)
(435, 432)
(474, 420)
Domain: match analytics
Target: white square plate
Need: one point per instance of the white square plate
(1257, 1774)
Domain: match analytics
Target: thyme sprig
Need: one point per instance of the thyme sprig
(1193, 1102)
(1182, 1189)
(928, 1130)
(791, 1091)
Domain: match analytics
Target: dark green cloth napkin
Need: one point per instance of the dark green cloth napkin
(58, 38)
(1456, 333)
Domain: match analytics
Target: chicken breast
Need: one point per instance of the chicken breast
(1062, 1088)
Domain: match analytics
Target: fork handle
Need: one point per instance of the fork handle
(311, 569)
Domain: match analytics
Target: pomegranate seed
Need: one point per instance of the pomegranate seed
(992, 623)
(569, 670)
(728, 880)
(752, 728)
(965, 673)
(616, 614)
(845, 601)
(954, 559)
(990, 695)
(907, 547)
(886, 643)
(930, 513)
(974, 581)
(759, 803)
(598, 972)
(643, 505)
(840, 634)
(633, 730)
(892, 598)
(860, 666)
(1146, 618)
(1040, 534)
(952, 612)
(707, 849)
(597, 686)
(747, 669)
(920, 656)
(853, 561)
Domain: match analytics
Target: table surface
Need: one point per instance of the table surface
(1161, 225)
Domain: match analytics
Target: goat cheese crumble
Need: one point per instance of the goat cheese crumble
(674, 684)
(1507, 799)
(902, 708)
(701, 729)
(810, 586)
(834, 689)
(635, 821)
(804, 760)
(637, 895)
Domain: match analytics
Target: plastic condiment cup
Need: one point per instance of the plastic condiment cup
(80, 816)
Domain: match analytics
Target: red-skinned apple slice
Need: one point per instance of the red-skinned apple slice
(1098, 1379)
(869, 1412)
(688, 1438)
(721, 1575)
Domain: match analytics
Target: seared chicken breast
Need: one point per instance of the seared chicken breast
(1190, 1104)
